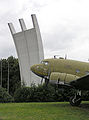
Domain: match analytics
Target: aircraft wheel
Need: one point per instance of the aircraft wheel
(75, 100)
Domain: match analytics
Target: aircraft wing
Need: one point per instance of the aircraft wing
(81, 83)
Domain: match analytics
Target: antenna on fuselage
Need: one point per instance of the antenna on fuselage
(55, 56)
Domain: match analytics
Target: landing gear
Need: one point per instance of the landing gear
(76, 100)
(46, 81)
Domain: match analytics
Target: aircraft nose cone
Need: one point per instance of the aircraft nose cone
(33, 68)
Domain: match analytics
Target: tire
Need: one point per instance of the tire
(75, 102)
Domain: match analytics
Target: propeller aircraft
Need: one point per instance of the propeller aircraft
(65, 72)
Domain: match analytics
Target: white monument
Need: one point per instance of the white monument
(29, 49)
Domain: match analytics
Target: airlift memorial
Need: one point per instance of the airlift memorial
(62, 72)
(29, 48)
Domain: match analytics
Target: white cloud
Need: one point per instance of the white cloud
(64, 25)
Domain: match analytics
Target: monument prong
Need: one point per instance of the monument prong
(22, 24)
(12, 29)
(34, 20)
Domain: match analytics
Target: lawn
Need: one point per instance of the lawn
(43, 111)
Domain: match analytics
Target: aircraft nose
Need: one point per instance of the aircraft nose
(38, 70)
(33, 68)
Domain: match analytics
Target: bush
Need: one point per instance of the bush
(42, 93)
(4, 96)
(22, 94)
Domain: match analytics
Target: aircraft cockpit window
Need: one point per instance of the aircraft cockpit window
(77, 71)
(44, 62)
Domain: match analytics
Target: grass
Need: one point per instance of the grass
(43, 111)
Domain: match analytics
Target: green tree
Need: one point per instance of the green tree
(4, 96)
(14, 74)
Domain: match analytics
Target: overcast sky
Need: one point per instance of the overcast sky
(64, 26)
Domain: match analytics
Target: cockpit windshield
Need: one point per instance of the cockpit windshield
(44, 62)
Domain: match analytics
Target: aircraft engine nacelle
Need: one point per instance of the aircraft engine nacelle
(57, 77)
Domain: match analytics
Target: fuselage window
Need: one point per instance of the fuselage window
(87, 72)
(44, 62)
(77, 71)
(68, 66)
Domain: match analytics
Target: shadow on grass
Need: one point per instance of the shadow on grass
(60, 104)
(84, 106)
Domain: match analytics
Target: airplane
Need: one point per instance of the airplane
(65, 72)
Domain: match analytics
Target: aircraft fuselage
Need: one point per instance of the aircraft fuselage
(47, 66)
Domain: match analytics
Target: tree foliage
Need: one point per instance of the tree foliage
(5, 96)
(43, 93)
(14, 74)
(40, 93)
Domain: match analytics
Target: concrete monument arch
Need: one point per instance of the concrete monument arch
(29, 49)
